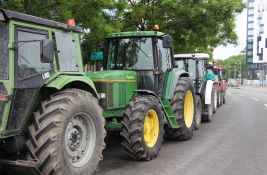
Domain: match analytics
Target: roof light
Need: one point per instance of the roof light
(71, 22)
(155, 27)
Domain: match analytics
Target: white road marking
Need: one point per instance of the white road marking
(265, 105)
(240, 95)
(254, 99)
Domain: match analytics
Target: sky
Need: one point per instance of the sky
(224, 52)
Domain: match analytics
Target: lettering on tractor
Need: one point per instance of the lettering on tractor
(143, 94)
(50, 120)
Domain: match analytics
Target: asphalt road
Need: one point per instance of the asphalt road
(234, 143)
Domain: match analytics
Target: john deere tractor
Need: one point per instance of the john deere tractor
(204, 83)
(50, 120)
(143, 94)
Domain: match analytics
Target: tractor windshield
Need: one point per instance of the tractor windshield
(3, 48)
(130, 54)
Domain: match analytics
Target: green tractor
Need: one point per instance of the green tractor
(204, 83)
(50, 119)
(143, 94)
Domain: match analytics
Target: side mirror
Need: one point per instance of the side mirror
(97, 56)
(167, 41)
(47, 51)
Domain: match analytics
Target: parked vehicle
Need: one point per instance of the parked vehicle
(142, 93)
(50, 120)
(201, 73)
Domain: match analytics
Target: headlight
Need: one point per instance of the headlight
(102, 95)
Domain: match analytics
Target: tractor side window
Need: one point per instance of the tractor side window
(66, 52)
(201, 69)
(164, 55)
(28, 53)
(3, 54)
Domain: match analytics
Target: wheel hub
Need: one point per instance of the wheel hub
(74, 138)
(151, 128)
(188, 109)
(80, 137)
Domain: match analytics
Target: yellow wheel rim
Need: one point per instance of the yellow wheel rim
(188, 109)
(151, 128)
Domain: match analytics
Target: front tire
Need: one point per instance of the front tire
(198, 112)
(142, 132)
(183, 106)
(67, 134)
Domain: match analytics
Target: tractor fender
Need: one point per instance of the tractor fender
(148, 92)
(208, 91)
(145, 92)
(173, 82)
(78, 81)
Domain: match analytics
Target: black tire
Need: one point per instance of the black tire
(51, 123)
(219, 101)
(208, 109)
(224, 101)
(198, 111)
(133, 131)
(185, 132)
(215, 102)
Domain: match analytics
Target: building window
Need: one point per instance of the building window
(250, 45)
(250, 25)
(250, 32)
(250, 18)
(250, 11)
(251, 4)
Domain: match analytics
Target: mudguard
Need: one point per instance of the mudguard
(171, 82)
(63, 80)
(208, 91)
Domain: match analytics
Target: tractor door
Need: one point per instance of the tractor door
(164, 64)
(30, 73)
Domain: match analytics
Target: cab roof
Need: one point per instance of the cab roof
(8, 14)
(135, 34)
(201, 56)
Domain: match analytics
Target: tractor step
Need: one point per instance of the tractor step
(21, 165)
(169, 114)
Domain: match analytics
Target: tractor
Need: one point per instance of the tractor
(200, 72)
(221, 82)
(144, 96)
(50, 119)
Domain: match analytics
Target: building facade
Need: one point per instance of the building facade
(256, 38)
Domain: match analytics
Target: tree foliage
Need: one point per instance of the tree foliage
(233, 63)
(195, 25)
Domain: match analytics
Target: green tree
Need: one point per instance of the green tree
(195, 25)
(232, 65)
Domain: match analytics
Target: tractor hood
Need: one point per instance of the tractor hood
(113, 76)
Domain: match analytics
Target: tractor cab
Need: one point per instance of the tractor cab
(195, 65)
(133, 61)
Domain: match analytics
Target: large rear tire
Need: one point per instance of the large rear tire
(142, 132)
(183, 106)
(67, 134)
(198, 111)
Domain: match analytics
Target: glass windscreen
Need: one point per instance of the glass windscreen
(3, 50)
(130, 54)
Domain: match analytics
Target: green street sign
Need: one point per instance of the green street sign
(97, 56)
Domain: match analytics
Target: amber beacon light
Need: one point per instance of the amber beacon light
(71, 23)
(155, 27)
